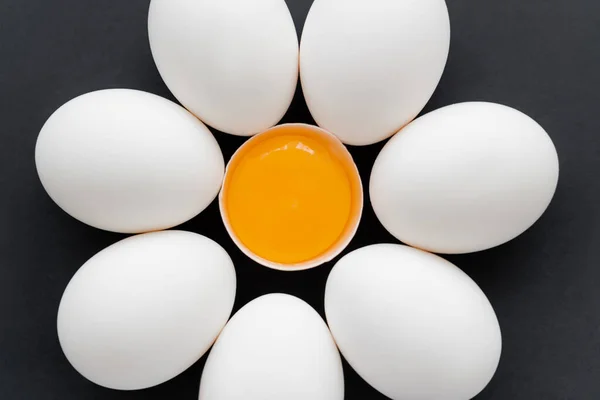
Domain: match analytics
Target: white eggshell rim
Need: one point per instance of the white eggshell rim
(353, 221)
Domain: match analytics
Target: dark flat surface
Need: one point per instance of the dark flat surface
(540, 56)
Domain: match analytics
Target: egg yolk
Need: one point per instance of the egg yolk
(288, 197)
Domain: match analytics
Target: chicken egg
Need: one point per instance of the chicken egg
(145, 309)
(128, 161)
(411, 324)
(233, 63)
(464, 178)
(369, 67)
(292, 197)
(276, 347)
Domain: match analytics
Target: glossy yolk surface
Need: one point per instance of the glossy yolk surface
(288, 198)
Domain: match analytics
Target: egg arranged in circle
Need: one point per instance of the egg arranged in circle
(233, 63)
(369, 67)
(276, 347)
(464, 178)
(412, 324)
(128, 161)
(145, 309)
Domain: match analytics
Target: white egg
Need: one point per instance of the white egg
(464, 178)
(276, 347)
(128, 161)
(145, 309)
(369, 67)
(411, 324)
(233, 63)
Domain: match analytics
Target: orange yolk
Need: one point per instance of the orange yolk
(288, 196)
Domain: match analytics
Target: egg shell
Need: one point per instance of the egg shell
(233, 63)
(369, 67)
(276, 347)
(145, 309)
(357, 201)
(412, 324)
(464, 178)
(128, 161)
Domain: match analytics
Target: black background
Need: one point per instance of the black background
(539, 56)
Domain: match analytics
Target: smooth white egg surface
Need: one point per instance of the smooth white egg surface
(233, 63)
(145, 309)
(128, 161)
(464, 178)
(369, 67)
(412, 324)
(276, 347)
